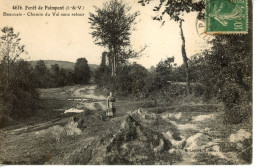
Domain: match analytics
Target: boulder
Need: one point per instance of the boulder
(240, 136)
(169, 135)
(198, 141)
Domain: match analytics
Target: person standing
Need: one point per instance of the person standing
(111, 110)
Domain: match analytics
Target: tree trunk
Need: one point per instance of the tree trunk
(113, 67)
(114, 62)
(112, 58)
(185, 59)
(8, 67)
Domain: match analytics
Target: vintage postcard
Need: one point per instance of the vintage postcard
(126, 82)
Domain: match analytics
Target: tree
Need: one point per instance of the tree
(42, 74)
(102, 73)
(55, 69)
(10, 50)
(24, 94)
(82, 71)
(112, 25)
(138, 75)
(164, 69)
(229, 74)
(17, 90)
(58, 75)
(175, 9)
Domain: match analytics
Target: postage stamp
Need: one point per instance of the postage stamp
(226, 16)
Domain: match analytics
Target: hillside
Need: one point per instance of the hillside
(62, 64)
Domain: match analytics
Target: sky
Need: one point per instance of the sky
(68, 37)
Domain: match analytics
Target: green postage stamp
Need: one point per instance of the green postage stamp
(226, 16)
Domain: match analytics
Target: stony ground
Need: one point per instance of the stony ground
(71, 128)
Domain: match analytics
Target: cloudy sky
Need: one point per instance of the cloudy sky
(68, 38)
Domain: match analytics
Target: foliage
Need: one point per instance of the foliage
(82, 71)
(164, 70)
(17, 89)
(129, 80)
(102, 75)
(42, 74)
(229, 74)
(138, 75)
(176, 9)
(158, 79)
(112, 25)
(24, 94)
(54, 77)
(59, 77)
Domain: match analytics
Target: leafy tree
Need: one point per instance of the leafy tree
(112, 25)
(164, 70)
(102, 74)
(104, 58)
(175, 9)
(229, 73)
(159, 77)
(24, 94)
(179, 74)
(17, 90)
(62, 79)
(10, 50)
(42, 74)
(70, 78)
(138, 75)
(152, 69)
(82, 71)
(56, 76)
(55, 69)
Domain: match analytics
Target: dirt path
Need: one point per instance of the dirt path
(59, 140)
(86, 98)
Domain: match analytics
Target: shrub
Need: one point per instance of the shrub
(237, 114)
(19, 97)
(197, 89)
(24, 95)
(129, 80)
(236, 102)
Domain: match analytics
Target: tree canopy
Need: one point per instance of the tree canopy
(112, 26)
(82, 71)
(17, 89)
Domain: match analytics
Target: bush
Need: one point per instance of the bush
(197, 89)
(23, 99)
(129, 81)
(237, 104)
(177, 89)
(237, 114)
(19, 96)
(102, 76)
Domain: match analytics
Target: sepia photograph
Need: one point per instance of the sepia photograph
(126, 82)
